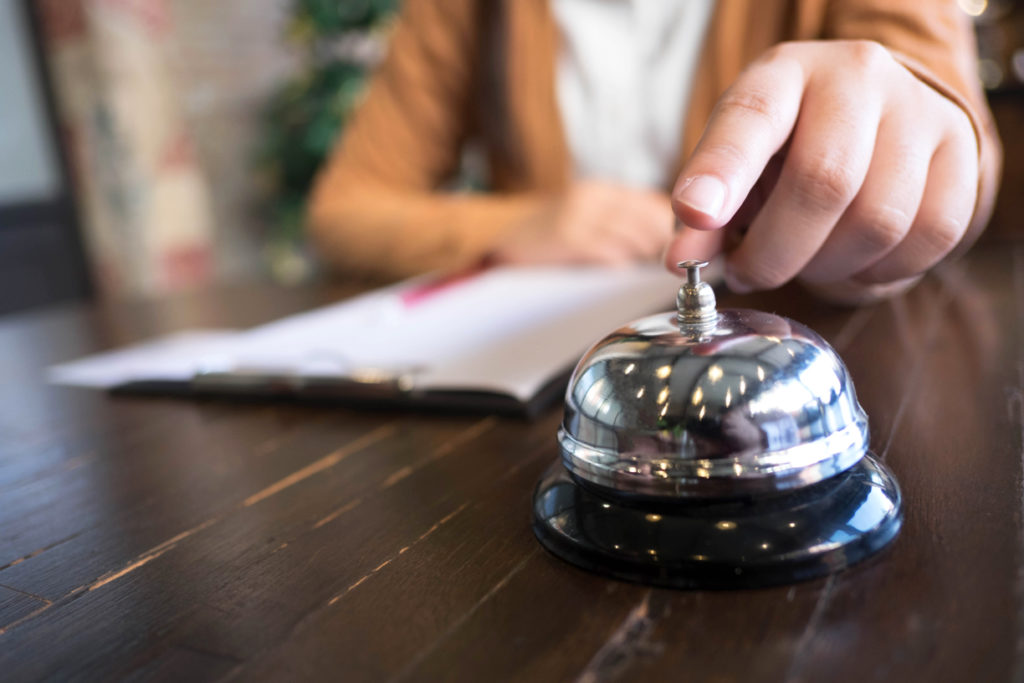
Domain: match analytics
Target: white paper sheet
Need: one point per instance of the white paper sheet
(507, 330)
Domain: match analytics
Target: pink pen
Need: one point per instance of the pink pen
(422, 293)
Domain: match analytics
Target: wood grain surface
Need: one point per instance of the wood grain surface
(160, 539)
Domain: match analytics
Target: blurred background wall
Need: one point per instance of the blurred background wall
(194, 128)
(41, 257)
(159, 103)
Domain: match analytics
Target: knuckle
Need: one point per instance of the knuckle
(788, 50)
(824, 182)
(964, 149)
(729, 154)
(884, 227)
(783, 50)
(961, 128)
(950, 119)
(751, 102)
(943, 233)
(868, 55)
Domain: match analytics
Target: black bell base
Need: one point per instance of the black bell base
(736, 543)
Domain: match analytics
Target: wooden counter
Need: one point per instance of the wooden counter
(170, 539)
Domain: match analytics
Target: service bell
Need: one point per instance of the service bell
(714, 448)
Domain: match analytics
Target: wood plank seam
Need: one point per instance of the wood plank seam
(409, 668)
(30, 615)
(535, 454)
(66, 466)
(39, 551)
(25, 593)
(444, 449)
(437, 525)
(209, 653)
(113, 575)
(153, 553)
(334, 514)
(326, 462)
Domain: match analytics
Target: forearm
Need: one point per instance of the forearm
(392, 234)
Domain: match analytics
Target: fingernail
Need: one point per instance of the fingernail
(705, 194)
(735, 283)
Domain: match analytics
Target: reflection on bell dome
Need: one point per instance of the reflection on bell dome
(759, 400)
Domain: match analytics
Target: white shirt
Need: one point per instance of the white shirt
(623, 81)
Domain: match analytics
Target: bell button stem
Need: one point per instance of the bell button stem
(692, 271)
(695, 302)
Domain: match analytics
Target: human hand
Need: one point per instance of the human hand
(595, 222)
(838, 165)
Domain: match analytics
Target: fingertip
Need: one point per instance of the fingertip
(699, 201)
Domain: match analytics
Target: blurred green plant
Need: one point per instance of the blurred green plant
(339, 40)
(330, 18)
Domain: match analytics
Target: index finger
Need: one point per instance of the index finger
(750, 123)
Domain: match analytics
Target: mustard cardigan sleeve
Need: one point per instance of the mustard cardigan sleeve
(376, 207)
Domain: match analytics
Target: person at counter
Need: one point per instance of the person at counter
(845, 143)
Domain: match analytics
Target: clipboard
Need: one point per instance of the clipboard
(496, 340)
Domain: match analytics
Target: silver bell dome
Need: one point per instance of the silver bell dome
(702, 403)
